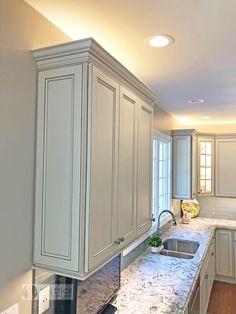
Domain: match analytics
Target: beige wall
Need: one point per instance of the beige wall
(164, 122)
(21, 29)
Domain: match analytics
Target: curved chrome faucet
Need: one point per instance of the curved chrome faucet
(173, 219)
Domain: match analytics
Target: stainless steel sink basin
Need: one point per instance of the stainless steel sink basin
(179, 248)
(177, 254)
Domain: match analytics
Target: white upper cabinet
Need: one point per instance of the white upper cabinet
(127, 167)
(144, 191)
(205, 166)
(93, 158)
(184, 164)
(57, 176)
(102, 165)
(225, 166)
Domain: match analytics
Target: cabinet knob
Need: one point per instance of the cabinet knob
(212, 254)
(206, 276)
(117, 241)
(122, 239)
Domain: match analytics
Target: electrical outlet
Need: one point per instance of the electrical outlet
(44, 299)
(12, 310)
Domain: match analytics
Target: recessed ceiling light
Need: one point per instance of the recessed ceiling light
(161, 41)
(206, 117)
(195, 101)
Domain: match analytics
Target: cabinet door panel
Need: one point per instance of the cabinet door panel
(144, 189)
(205, 166)
(58, 168)
(212, 262)
(225, 167)
(224, 253)
(126, 216)
(234, 259)
(182, 167)
(102, 148)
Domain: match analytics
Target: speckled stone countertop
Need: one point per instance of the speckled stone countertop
(154, 283)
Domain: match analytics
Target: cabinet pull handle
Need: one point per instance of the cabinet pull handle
(122, 239)
(206, 276)
(117, 241)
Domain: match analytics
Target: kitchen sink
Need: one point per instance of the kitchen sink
(179, 248)
(177, 254)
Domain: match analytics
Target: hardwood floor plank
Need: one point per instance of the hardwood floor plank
(223, 298)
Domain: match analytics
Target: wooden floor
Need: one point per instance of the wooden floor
(223, 298)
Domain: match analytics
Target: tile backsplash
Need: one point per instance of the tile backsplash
(217, 207)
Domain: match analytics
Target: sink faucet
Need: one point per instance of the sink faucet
(173, 219)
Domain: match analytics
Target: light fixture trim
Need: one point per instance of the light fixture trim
(206, 117)
(161, 40)
(196, 101)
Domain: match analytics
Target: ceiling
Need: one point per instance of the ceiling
(200, 64)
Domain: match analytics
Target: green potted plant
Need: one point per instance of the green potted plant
(156, 243)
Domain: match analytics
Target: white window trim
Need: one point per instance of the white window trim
(168, 139)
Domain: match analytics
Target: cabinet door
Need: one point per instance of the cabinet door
(126, 212)
(205, 166)
(205, 288)
(102, 167)
(144, 188)
(225, 167)
(212, 262)
(182, 164)
(57, 177)
(224, 253)
(234, 254)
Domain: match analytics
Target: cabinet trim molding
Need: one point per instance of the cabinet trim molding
(89, 50)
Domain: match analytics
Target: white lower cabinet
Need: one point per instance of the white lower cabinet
(224, 254)
(93, 160)
(207, 275)
(204, 286)
(212, 262)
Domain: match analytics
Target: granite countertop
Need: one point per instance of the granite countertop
(154, 283)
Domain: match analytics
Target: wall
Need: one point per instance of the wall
(218, 207)
(21, 29)
(164, 122)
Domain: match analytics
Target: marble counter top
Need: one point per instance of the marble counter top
(160, 284)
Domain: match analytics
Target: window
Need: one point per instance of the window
(161, 178)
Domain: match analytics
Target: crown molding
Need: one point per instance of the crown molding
(88, 50)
